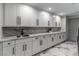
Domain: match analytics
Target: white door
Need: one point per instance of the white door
(36, 45)
(20, 49)
(28, 48)
(9, 51)
(28, 15)
(10, 14)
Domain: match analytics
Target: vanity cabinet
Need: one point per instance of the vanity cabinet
(49, 41)
(20, 49)
(30, 45)
(43, 42)
(9, 48)
(9, 51)
(24, 47)
(36, 45)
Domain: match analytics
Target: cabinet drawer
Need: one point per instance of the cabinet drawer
(28, 39)
(19, 41)
(8, 43)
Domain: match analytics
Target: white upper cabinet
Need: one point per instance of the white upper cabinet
(25, 15)
(10, 13)
(43, 19)
(1, 14)
(57, 21)
(28, 15)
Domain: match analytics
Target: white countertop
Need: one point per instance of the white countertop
(31, 35)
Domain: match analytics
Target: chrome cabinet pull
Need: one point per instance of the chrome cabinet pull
(41, 42)
(13, 51)
(37, 22)
(18, 20)
(25, 46)
(55, 23)
(59, 37)
(48, 23)
(52, 39)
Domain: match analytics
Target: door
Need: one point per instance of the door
(36, 45)
(73, 29)
(10, 14)
(20, 49)
(28, 15)
(9, 51)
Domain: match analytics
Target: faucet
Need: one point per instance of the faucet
(22, 32)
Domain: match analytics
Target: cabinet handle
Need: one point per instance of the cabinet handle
(41, 42)
(13, 51)
(37, 22)
(52, 39)
(18, 20)
(48, 23)
(36, 38)
(8, 43)
(55, 23)
(25, 46)
(59, 37)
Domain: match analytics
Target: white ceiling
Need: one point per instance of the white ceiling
(60, 8)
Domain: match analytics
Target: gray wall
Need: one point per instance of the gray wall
(73, 28)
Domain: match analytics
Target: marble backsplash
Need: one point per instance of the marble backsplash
(13, 31)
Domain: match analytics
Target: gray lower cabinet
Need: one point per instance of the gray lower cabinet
(43, 42)
(9, 51)
(24, 47)
(36, 45)
(20, 49)
(9, 48)
(30, 46)
(28, 49)
(1, 49)
(49, 40)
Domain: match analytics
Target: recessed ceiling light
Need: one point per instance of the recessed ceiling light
(49, 9)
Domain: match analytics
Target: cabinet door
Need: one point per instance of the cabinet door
(56, 39)
(43, 43)
(9, 51)
(44, 19)
(49, 41)
(28, 15)
(28, 48)
(36, 45)
(63, 36)
(10, 11)
(20, 49)
(1, 49)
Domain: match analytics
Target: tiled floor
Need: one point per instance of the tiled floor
(68, 48)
